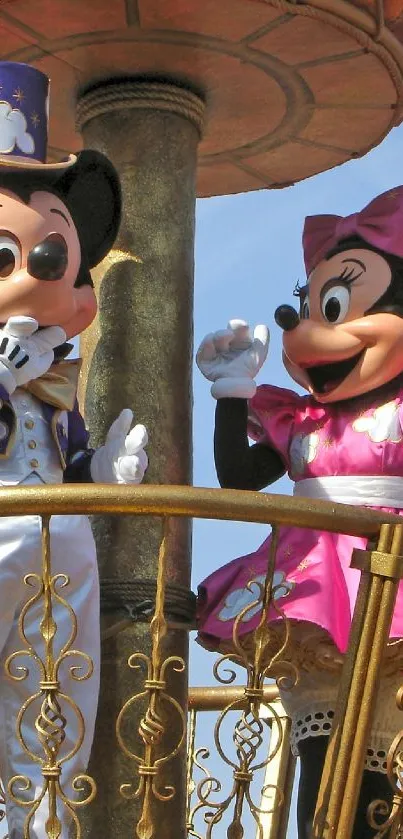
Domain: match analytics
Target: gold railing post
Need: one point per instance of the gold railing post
(279, 776)
(338, 796)
(162, 713)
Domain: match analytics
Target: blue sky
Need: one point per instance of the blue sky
(248, 260)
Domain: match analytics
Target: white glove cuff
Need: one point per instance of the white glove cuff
(231, 387)
(7, 379)
(101, 472)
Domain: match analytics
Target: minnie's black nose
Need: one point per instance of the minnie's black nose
(286, 317)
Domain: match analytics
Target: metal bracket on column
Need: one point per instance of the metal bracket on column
(378, 562)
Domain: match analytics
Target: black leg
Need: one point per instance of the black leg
(375, 785)
(312, 758)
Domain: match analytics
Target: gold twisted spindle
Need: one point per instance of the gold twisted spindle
(153, 725)
(253, 727)
(50, 723)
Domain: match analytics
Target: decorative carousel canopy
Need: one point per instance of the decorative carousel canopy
(291, 89)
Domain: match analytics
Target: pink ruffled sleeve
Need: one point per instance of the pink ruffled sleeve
(271, 419)
(400, 409)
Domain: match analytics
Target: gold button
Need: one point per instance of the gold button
(34, 463)
(32, 444)
(29, 423)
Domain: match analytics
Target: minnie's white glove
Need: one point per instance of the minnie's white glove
(231, 358)
(122, 460)
(25, 353)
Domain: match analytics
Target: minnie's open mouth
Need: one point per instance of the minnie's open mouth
(326, 377)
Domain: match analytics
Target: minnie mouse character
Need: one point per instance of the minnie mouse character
(343, 442)
(57, 221)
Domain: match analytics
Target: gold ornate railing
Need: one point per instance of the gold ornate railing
(254, 704)
(279, 768)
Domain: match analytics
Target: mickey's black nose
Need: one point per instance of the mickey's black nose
(286, 317)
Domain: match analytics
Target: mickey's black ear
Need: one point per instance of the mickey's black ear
(91, 191)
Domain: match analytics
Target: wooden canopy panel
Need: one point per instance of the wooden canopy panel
(290, 91)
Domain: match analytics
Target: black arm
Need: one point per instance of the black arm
(78, 470)
(239, 465)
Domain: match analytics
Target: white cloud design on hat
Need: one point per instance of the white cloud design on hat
(13, 130)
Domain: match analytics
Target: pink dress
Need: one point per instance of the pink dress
(313, 581)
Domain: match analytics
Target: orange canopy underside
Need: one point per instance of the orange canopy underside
(290, 91)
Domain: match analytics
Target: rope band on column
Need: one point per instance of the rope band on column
(137, 597)
(156, 96)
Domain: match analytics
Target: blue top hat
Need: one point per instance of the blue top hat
(87, 183)
(24, 116)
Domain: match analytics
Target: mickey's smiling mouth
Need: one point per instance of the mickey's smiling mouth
(326, 377)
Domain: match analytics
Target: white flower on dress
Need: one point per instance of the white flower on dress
(240, 598)
(303, 450)
(383, 425)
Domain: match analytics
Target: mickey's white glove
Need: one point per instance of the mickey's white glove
(122, 460)
(25, 353)
(231, 358)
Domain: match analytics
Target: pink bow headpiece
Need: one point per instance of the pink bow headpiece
(380, 224)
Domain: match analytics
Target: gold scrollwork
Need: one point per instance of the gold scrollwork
(249, 738)
(50, 722)
(251, 733)
(194, 758)
(387, 819)
(152, 728)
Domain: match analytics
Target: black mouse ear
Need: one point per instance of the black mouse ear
(91, 191)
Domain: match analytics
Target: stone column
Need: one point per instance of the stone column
(138, 354)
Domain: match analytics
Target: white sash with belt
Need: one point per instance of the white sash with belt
(360, 490)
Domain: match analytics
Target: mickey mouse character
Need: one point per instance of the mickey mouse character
(57, 221)
(343, 442)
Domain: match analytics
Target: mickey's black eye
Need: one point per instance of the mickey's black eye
(10, 255)
(48, 260)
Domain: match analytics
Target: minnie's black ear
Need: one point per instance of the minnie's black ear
(91, 191)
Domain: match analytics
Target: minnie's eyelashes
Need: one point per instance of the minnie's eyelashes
(348, 276)
(300, 291)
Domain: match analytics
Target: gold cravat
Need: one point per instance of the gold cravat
(58, 386)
